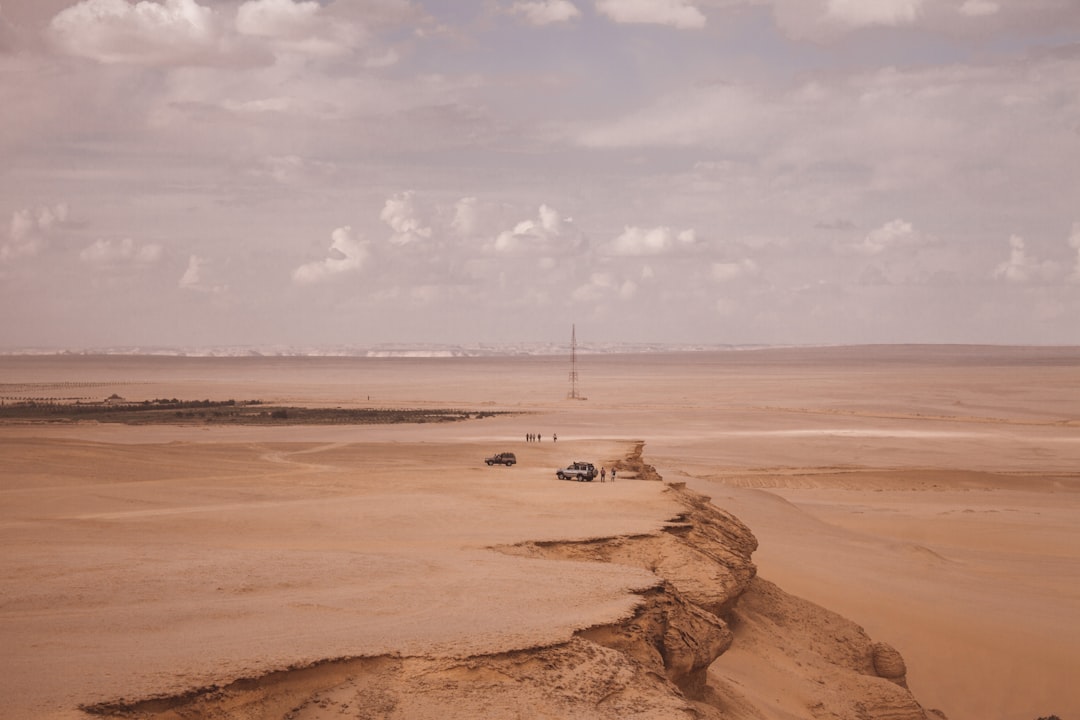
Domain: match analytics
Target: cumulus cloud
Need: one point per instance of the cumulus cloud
(276, 18)
(893, 234)
(1074, 243)
(401, 214)
(858, 13)
(183, 32)
(111, 253)
(347, 254)
(636, 241)
(30, 230)
(296, 25)
(466, 217)
(114, 31)
(193, 279)
(542, 234)
(676, 13)
(546, 12)
(1021, 267)
(728, 271)
(599, 285)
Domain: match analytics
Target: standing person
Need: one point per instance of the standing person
(603, 474)
(612, 474)
(539, 437)
(554, 437)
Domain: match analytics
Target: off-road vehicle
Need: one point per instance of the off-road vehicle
(580, 471)
(505, 458)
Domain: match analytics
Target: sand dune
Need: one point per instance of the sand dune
(927, 495)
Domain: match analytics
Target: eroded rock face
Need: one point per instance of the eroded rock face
(660, 663)
(889, 664)
(671, 637)
(704, 553)
(712, 565)
(703, 558)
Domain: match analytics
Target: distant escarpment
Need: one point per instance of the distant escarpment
(710, 640)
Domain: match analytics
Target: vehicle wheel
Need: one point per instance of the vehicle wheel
(489, 463)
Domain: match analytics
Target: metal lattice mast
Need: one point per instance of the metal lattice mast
(573, 364)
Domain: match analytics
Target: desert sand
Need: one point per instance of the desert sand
(923, 499)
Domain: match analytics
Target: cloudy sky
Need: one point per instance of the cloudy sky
(253, 172)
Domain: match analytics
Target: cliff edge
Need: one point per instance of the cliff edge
(710, 640)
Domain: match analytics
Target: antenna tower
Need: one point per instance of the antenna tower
(573, 395)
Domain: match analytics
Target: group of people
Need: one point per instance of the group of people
(603, 474)
(535, 437)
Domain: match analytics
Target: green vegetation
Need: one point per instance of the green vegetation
(172, 411)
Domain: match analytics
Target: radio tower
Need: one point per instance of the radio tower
(573, 395)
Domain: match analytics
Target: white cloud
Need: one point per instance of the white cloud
(401, 214)
(676, 13)
(892, 234)
(276, 18)
(298, 26)
(550, 220)
(728, 271)
(636, 241)
(151, 32)
(1020, 267)
(466, 217)
(191, 279)
(545, 12)
(346, 254)
(858, 13)
(599, 285)
(30, 230)
(978, 8)
(1074, 243)
(546, 234)
(107, 253)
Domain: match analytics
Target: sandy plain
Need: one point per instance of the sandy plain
(929, 494)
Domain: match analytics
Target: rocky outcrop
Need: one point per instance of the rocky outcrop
(889, 664)
(670, 637)
(710, 640)
(787, 646)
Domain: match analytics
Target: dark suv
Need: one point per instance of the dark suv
(507, 459)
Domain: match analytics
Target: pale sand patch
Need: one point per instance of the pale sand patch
(928, 494)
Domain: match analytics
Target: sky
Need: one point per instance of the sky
(356, 172)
